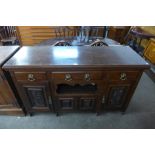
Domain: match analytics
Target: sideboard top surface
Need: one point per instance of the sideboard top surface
(6, 52)
(73, 56)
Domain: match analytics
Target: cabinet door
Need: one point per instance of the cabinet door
(67, 103)
(76, 103)
(117, 95)
(87, 103)
(36, 96)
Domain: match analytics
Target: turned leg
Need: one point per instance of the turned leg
(57, 114)
(98, 113)
(31, 113)
(123, 111)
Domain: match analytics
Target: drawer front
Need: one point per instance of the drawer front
(86, 76)
(123, 75)
(30, 76)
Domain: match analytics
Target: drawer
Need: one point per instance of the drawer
(30, 76)
(123, 75)
(87, 76)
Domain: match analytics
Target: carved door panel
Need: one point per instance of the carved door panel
(117, 95)
(87, 103)
(37, 96)
(67, 103)
(76, 103)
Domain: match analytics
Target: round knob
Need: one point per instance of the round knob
(87, 77)
(123, 76)
(68, 77)
(31, 77)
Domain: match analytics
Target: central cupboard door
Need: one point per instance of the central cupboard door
(78, 91)
(76, 103)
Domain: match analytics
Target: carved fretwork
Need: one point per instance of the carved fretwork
(36, 96)
(117, 95)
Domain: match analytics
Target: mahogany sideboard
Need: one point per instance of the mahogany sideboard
(75, 78)
(8, 102)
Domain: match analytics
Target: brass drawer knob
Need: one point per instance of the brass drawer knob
(68, 77)
(123, 76)
(31, 77)
(87, 77)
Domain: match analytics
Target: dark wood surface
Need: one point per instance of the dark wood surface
(6, 52)
(75, 78)
(55, 57)
(8, 102)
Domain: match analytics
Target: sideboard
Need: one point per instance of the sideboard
(67, 79)
(8, 102)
